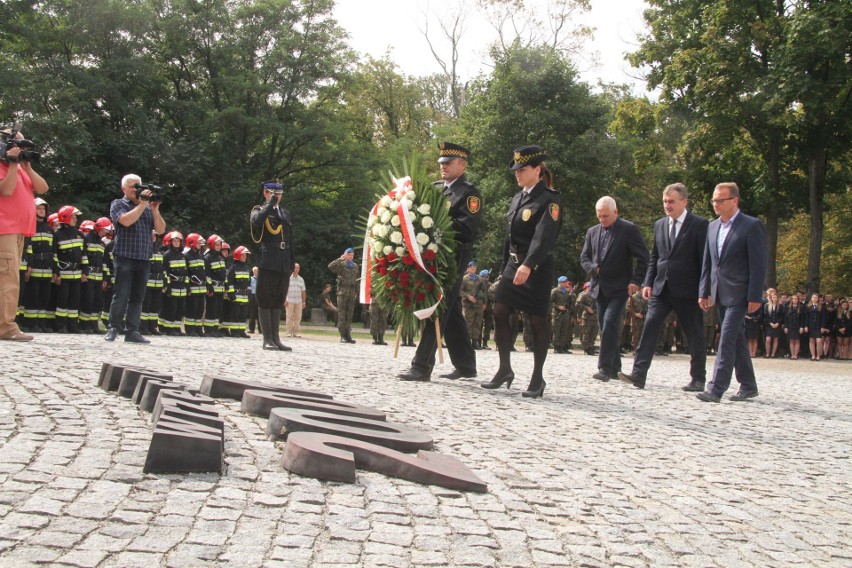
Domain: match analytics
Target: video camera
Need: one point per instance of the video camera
(156, 195)
(8, 141)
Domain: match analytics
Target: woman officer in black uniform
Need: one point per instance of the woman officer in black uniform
(532, 225)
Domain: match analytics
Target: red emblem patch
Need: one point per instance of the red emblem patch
(554, 211)
(473, 204)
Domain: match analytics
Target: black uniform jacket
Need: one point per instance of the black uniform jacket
(612, 273)
(532, 226)
(679, 264)
(272, 229)
(465, 203)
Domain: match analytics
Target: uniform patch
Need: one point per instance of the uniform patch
(473, 204)
(527, 213)
(554, 211)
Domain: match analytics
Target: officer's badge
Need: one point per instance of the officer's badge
(554, 211)
(473, 204)
(526, 214)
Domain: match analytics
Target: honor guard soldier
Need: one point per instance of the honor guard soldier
(272, 229)
(588, 317)
(91, 293)
(69, 256)
(562, 314)
(465, 204)
(474, 295)
(174, 291)
(194, 305)
(39, 254)
(348, 272)
(153, 291)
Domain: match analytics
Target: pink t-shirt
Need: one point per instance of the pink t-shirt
(18, 212)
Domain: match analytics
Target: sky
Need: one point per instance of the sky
(376, 26)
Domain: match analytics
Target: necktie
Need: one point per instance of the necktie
(604, 242)
(672, 234)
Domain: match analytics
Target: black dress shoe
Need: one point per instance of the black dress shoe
(601, 376)
(708, 397)
(456, 374)
(111, 334)
(637, 382)
(694, 386)
(135, 337)
(743, 395)
(415, 375)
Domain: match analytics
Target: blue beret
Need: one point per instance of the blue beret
(472, 263)
(562, 279)
(347, 251)
(483, 273)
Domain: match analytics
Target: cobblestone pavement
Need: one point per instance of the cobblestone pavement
(595, 474)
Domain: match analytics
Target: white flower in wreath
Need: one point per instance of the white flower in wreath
(424, 209)
(386, 217)
(408, 203)
(433, 247)
(410, 197)
(422, 239)
(381, 211)
(393, 205)
(395, 221)
(412, 216)
(371, 221)
(396, 237)
(399, 251)
(382, 231)
(387, 250)
(386, 201)
(376, 244)
(426, 222)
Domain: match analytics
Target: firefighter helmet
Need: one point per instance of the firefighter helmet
(66, 212)
(211, 240)
(240, 253)
(87, 227)
(193, 239)
(104, 224)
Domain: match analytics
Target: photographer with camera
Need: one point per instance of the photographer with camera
(134, 216)
(19, 183)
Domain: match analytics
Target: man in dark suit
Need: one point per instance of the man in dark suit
(671, 283)
(608, 255)
(732, 277)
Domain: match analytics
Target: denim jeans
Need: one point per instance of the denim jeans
(610, 314)
(129, 283)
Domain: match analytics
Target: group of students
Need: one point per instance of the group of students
(194, 287)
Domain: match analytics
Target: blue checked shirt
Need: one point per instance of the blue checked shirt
(133, 241)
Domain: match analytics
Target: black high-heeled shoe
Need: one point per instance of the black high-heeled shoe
(498, 381)
(538, 393)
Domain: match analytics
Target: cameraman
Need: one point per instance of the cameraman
(134, 217)
(19, 183)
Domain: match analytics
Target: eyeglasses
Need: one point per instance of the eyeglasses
(721, 200)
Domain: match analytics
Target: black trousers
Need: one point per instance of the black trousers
(271, 289)
(454, 330)
(690, 319)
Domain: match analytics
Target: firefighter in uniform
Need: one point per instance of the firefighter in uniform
(153, 291)
(174, 291)
(348, 272)
(38, 280)
(474, 295)
(106, 230)
(562, 314)
(196, 272)
(272, 229)
(91, 292)
(69, 256)
(465, 207)
(216, 273)
(238, 281)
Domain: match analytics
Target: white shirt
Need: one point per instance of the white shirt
(294, 292)
(724, 229)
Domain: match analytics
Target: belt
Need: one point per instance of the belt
(516, 258)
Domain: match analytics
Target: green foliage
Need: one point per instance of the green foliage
(533, 96)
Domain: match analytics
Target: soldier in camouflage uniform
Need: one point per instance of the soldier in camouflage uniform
(474, 295)
(640, 309)
(488, 312)
(562, 315)
(587, 315)
(710, 329)
(666, 339)
(348, 272)
(378, 322)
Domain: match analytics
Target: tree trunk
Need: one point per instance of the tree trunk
(816, 179)
(774, 166)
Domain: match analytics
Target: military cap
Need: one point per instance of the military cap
(484, 273)
(349, 250)
(527, 156)
(472, 263)
(562, 279)
(450, 151)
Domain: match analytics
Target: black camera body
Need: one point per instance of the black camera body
(156, 192)
(8, 141)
